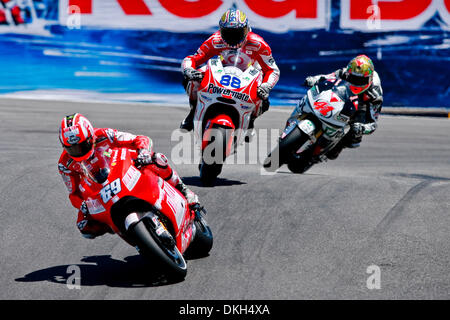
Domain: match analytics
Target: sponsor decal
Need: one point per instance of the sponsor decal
(212, 89)
(114, 158)
(110, 134)
(123, 154)
(205, 97)
(188, 15)
(175, 202)
(343, 118)
(131, 177)
(94, 206)
(68, 183)
(64, 169)
(253, 72)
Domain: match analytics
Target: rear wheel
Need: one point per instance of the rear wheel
(164, 254)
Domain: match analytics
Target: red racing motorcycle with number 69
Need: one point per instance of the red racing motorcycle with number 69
(143, 209)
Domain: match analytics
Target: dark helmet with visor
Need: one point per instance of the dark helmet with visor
(234, 27)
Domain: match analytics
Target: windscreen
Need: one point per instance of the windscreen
(98, 167)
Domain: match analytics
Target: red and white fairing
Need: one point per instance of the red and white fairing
(232, 83)
(125, 180)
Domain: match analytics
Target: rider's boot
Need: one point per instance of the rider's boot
(188, 122)
(348, 141)
(251, 130)
(190, 196)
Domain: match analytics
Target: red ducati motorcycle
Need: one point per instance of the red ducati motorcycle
(227, 97)
(143, 209)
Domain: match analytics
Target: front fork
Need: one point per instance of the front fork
(309, 128)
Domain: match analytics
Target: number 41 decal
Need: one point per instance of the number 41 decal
(110, 190)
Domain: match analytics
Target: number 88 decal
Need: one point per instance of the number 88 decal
(233, 82)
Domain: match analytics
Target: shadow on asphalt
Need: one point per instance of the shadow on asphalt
(103, 270)
(195, 181)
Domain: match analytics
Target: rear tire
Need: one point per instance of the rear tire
(168, 260)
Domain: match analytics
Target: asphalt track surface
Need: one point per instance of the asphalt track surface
(284, 236)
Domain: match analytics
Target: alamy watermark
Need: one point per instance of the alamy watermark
(186, 149)
(374, 280)
(74, 279)
(374, 20)
(74, 19)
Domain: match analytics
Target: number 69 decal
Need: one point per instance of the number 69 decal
(110, 190)
(228, 80)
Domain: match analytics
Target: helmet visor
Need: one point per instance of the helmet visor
(81, 149)
(233, 36)
(358, 80)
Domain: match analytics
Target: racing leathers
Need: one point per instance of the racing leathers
(72, 174)
(254, 51)
(365, 120)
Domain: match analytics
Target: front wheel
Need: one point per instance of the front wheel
(203, 240)
(283, 152)
(299, 166)
(214, 155)
(164, 254)
(209, 173)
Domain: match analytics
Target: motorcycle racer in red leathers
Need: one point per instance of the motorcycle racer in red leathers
(234, 34)
(80, 139)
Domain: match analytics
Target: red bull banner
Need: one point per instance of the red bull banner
(136, 46)
(272, 15)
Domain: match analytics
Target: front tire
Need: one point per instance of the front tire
(203, 241)
(299, 166)
(283, 152)
(210, 170)
(209, 173)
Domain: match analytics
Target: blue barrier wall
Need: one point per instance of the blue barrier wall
(413, 65)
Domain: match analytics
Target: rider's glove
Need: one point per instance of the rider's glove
(144, 157)
(84, 208)
(309, 82)
(192, 74)
(312, 81)
(264, 90)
